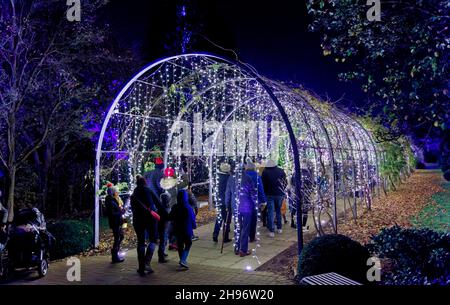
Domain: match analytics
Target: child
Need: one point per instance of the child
(183, 218)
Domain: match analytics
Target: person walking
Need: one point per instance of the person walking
(153, 179)
(168, 199)
(306, 190)
(274, 181)
(230, 200)
(183, 218)
(145, 222)
(251, 196)
(225, 213)
(307, 187)
(115, 212)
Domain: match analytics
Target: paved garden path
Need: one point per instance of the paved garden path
(207, 265)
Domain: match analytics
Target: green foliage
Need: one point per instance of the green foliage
(397, 152)
(122, 187)
(420, 256)
(149, 166)
(72, 237)
(401, 62)
(394, 160)
(334, 253)
(447, 175)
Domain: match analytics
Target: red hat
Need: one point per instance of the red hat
(169, 172)
(109, 184)
(158, 161)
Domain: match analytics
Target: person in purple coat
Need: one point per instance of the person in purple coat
(183, 219)
(251, 196)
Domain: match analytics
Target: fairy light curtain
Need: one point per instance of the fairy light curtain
(199, 110)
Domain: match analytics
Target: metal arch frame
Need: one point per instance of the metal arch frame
(261, 82)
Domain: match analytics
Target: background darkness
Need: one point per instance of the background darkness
(272, 36)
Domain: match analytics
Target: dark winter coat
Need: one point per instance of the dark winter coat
(193, 202)
(274, 181)
(222, 188)
(114, 212)
(153, 179)
(183, 217)
(251, 192)
(142, 200)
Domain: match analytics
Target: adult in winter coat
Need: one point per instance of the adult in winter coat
(225, 209)
(114, 211)
(145, 225)
(183, 219)
(274, 181)
(306, 189)
(153, 179)
(251, 195)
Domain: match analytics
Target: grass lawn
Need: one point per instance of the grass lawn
(436, 214)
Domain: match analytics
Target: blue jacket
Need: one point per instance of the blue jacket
(183, 217)
(251, 192)
(222, 188)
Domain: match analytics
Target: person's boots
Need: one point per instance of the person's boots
(162, 258)
(148, 260)
(141, 260)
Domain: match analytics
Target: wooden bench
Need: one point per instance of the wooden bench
(327, 279)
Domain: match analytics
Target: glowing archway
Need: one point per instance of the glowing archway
(206, 109)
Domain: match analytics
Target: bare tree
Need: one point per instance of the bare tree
(49, 67)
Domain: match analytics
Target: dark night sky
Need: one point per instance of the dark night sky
(270, 35)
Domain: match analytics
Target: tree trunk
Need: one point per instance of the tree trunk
(46, 173)
(11, 190)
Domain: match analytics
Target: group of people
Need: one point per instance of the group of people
(164, 209)
(259, 191)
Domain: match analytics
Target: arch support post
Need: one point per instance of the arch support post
(96, 239)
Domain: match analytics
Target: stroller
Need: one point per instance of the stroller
(27, 244)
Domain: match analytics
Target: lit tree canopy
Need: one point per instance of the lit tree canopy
(401, 61)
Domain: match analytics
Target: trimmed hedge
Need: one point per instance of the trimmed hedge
(334, 253)
(72, 237)
(421, 256)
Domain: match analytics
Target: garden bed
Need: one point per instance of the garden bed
(400, 207)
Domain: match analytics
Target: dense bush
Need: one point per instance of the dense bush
(420, 256)
(72, 237)
(334, 253)
(420, 165)
(447, 175)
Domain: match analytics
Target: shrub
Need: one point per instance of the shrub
(447, 175)
(72, 237)
(334, 253)
(420, 165)
(421, 256)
